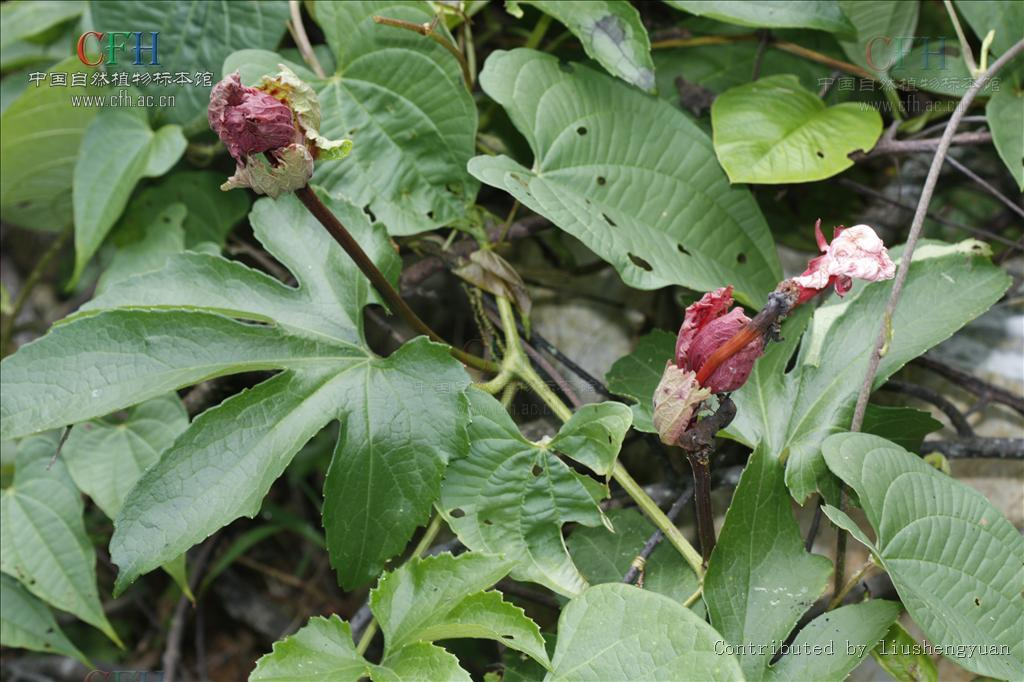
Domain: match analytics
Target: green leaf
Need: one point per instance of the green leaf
(119, 149)
(595, 141)
(443, 597)
(604, 556)
(1006, 18)
(163, 330)
(146, 248)
(903, 657)
(512, 497)
(760, 580)
(22, 20)
(904, 426)
(42, 536)
(186, 42)
(611, 33)
(955, 560)
(824, 15)
(593, 435)
(26, 623)
(884, 33)
(774, 131)
(833, 644)
(400, 97)
(211, 212)
(40, 135)
(637, 375)
(321, 650)
(420, 662)
(937, 65)
(1005, 114)
(793, 412)
(105, 457)
(620, 632)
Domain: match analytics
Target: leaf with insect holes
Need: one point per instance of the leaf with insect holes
(611, 33)
(775, 131)
(823, 15)
(511, 496)
(956, 562)
(202, 316)
(26, 623)
(629, 175)
(43, 542)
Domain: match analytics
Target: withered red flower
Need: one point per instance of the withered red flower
(855, 253)
(707, 325)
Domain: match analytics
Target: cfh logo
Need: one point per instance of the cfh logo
(113, 43)
(882, 52)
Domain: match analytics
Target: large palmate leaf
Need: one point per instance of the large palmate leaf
(620, 632)
(956, 562)
(26, 623)
(629, 175)
(162, 330)
(40, 134)
(833, 644)
(42, 536)
(884, 32)
(118, 150)
(145, 244)
(793, 412)
(511, 496)
(824, 15)
(1005, 114)
(611, 33)
(443, 597)
(401, 99)
(23, 20)
(775, 131)
(194, 38)
(760, 580)
(604, 556)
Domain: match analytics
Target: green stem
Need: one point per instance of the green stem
(34, 277)
(522, 368)
(429, 535)
(539, 29)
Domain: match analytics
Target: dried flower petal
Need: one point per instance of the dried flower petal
(855, 253)
(248, 120)
(707, 324)
(676, 401)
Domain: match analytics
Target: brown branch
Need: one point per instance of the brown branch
(985, 185)
(976, 446)
(969, 382)
(956, 417)
(428, 31)
(298, 31)
(397, 304)
(172, 651)
(890, 147)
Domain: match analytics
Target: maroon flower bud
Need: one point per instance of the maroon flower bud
(708, 324)
(249, 120)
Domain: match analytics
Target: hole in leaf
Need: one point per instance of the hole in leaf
(601, 180)
(977, 602)
(369, 213)
(608, 220)
(821, 154)
(488, 522)
(564, 66)
(508, 636)
(457, 513)
(582, 130)
(682, 249)
(640, 262)
(741, 257)
(430, 215)
(537, 470)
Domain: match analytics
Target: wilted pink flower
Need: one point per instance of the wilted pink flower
(272, 132)
(708, 326)
(855, 253)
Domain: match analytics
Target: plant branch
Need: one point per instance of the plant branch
(298, 31)
(985, 185)
(428, 30)
(907, 258)
(969, 382)
(889, 147)
(397, 304)
(26, 288)
(977, 447)
(636, 568)
(861, 573)
(956, 417)
(976, 231)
